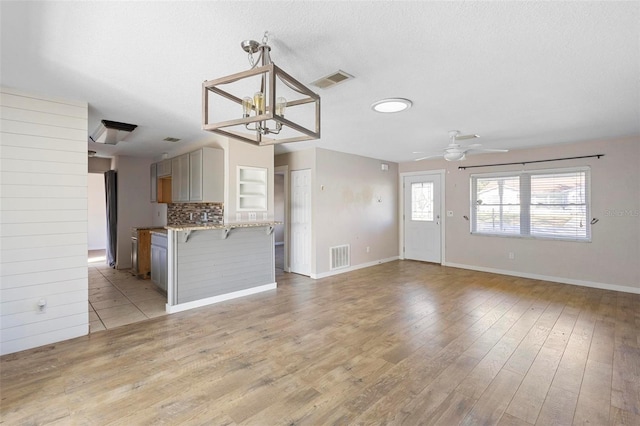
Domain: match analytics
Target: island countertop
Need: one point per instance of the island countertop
(193, 227)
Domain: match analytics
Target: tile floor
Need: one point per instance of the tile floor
(117, 298)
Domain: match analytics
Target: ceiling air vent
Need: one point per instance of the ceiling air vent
(111, 132)
(332, 79)
(169, 139)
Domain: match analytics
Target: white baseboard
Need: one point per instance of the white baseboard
(603, 286)
(171, 309)
(352, 268)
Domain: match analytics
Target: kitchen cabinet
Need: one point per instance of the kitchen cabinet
(159, 273)
(164, 189)
(164, 168)
(206, 175)
(140, 257)
(154, 183)
(196, 177)
(180, 178)
(160, 183)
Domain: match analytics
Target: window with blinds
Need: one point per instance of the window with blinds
(541, 204)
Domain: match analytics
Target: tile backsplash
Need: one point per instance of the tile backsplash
(194, 213)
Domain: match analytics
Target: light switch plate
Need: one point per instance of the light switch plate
(252, 215)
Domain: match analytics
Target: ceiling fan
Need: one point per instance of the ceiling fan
(456, 152)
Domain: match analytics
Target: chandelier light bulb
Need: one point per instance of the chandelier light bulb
(258, 101)
(281, 105)
(247, 106)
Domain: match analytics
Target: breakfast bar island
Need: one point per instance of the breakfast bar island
(213, 262)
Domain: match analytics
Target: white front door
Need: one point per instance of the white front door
(301, 222)
(422, 221)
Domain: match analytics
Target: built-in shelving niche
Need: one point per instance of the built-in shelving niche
(252, 189)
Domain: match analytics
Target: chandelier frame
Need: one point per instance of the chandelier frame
(270, 73)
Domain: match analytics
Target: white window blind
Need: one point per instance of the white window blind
(544, 204)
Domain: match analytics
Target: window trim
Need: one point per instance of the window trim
(527, 204)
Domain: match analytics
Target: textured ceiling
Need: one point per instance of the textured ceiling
(520, 74)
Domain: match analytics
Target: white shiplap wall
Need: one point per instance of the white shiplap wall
(43, 220)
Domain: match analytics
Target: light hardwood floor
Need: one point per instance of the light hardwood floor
(399, 343)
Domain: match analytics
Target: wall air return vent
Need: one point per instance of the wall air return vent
(340, 257)
(332, 79)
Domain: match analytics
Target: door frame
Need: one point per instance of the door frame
(284, 170)
(401, 191)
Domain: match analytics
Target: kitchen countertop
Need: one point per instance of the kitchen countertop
(191, 227)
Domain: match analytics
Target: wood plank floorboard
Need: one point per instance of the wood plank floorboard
(399, 343)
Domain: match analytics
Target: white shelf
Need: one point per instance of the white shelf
(252, 189)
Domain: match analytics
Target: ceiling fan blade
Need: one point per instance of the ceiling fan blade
(463, 137)
(488, 150)
(429, 156)
(474, 145)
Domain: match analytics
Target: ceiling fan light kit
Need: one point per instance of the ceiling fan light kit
(260, 112)
(454, 156)
(391, 105)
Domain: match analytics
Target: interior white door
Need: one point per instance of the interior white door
(301, 222)
(422, 221)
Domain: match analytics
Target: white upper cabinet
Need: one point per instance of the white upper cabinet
(206, 175)
(197, 177)
(164, 168)
(180, 178)
(154, 183)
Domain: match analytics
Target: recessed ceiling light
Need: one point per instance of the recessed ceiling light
(391, 105)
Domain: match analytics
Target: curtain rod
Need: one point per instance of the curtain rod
(530, 162)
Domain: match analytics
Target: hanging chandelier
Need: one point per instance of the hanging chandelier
(263, 105)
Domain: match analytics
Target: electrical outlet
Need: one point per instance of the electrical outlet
(252, 215)
(512, 255)
(238, 217)
(264, 217)
(368, 249)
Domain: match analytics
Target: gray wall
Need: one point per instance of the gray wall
(134, 206)
(611, 258)
(353, 202)
(97, 212)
